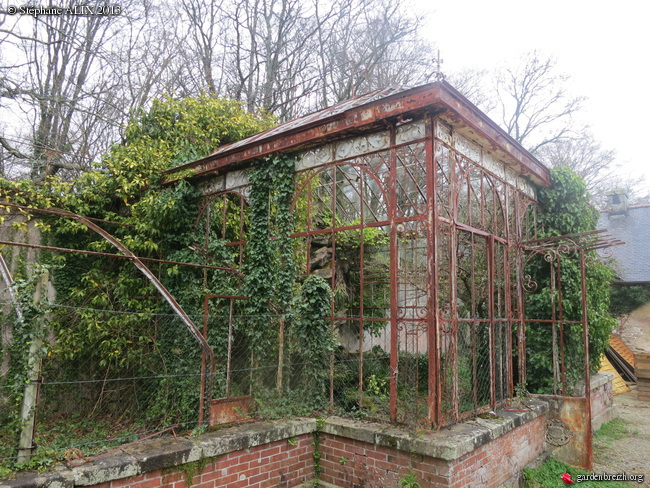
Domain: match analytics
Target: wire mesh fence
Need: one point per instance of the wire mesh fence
(109, 377)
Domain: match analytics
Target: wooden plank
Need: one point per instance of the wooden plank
(620, 364)
(621, 349)
(618, 383)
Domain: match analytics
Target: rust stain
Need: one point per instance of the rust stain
(229, 410)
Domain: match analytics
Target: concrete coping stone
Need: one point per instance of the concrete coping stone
(448, 443)
(162, 453)
(595, 381)
(167, 452)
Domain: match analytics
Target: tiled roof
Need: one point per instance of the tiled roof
(632, 258)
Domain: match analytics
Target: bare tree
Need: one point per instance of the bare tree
(68, 83)
(206, 31)
(599, 167)
(59, 87)
(473, 84)
(291, 56)
(371, 45)
(532, 102)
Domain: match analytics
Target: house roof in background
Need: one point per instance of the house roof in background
(633, 258)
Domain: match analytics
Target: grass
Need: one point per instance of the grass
(549, 475)
(613, 431)
(58, 437)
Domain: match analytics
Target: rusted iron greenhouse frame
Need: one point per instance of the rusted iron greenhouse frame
(391, 116)
(491, 224)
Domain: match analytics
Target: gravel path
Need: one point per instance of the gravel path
(630, 455)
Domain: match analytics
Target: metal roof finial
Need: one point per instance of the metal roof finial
(438, 67)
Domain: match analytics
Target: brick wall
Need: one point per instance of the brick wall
(279, 464)
(356, 464)
(483, 452)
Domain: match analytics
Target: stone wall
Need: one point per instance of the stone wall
(281, 463)
(602, 400)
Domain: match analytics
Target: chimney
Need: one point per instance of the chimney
(617, 203)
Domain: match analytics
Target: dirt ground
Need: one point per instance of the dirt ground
(630, 455)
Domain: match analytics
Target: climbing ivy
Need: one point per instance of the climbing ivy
(270, 270)
(32, 327)
(566, 210)
(114, 322)
(314, 339)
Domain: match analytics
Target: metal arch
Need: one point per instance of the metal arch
(138, 264)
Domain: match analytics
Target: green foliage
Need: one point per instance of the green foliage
(116, 323)
(566, 210)
(565, 204)
(314, 341)
(270, 272)
(316, 454)
(614, 430)
(626, 299)
(174, 132)
(33, 327)
(189, 470)
(409, 480)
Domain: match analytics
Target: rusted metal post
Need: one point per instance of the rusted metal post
(229, 358)
(362, 251)
(452, 353)
(554, 347)
(393, 270)
(205, 335)
(433, 385)
(585, 336)
(492, 335)
(332, 284)
(561, 313)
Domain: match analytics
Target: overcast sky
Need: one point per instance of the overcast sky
(602, 45)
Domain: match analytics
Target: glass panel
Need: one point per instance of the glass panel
(411, 180)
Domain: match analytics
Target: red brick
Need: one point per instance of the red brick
(271, 452)
(127, 481)
(152, 483)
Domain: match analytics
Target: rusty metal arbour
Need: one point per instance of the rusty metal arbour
(569, 338)
(206, 380)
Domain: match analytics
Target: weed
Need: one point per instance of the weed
(610, 432)
(550, 475)
(409, 480)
